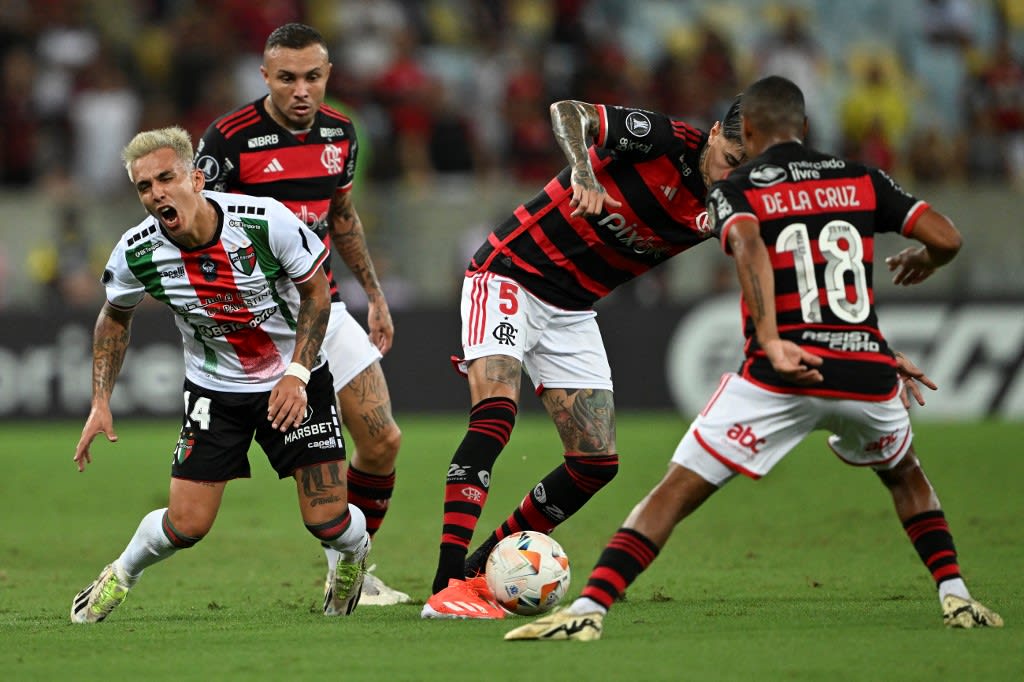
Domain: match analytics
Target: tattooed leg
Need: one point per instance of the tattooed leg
(366, 412)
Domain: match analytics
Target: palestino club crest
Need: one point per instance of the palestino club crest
(244, 259)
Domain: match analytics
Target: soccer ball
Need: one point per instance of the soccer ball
(528, 573)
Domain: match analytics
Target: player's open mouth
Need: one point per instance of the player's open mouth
(169, 216)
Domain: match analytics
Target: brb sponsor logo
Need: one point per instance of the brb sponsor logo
(263, 141)
(745, 437)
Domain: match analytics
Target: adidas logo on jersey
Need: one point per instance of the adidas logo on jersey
(273, 167)
(670, 192)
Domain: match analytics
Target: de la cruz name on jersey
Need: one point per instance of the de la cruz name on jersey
(246, 151)
(818, 217)
(650, 163)
(234, 299)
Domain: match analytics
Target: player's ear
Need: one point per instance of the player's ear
(198, 179)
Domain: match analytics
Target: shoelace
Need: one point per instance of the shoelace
(111, 594)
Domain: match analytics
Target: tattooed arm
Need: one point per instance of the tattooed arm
(575, 124)
(110, 341)
(314, 311)
(349, 241)
(287, 405)
(757, 282)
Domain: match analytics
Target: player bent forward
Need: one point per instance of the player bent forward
(784, 391)
(243, 276)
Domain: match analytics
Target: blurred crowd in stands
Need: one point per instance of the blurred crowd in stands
(445, 90)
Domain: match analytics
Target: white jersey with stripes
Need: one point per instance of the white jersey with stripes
(234, 299)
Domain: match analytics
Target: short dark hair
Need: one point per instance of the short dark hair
(774, 105)
(294, 37)
(732, 126)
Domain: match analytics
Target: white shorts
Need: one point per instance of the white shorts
(558, 348)
(347, 347)
(746, 429)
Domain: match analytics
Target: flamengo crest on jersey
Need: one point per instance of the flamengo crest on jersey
(818, 216)
(235, 300)
(647, 161)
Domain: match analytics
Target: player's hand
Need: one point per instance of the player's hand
(100, 420)
(287, 405)
(588, 196)
(910, 376)
(793, 363)
(912, 265)
(378, 321)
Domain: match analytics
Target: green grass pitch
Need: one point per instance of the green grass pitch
(805, 575)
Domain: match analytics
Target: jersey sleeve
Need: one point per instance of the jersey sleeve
(636, 134)
(726, 204)
(297, 249)
(124, 291)
(348, 174)
(897, 210)
(215, 158)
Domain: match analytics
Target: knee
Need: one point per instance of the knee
(380, 451)
(184, 533)
(905, 471)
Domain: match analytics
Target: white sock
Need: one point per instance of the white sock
(955, 586)
(148, 546)
(333, 556)
(353, 543)
(584, 605)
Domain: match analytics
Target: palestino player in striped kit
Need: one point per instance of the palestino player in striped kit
(801, 227)
(245, 280)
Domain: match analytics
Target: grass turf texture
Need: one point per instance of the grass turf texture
(805, 575)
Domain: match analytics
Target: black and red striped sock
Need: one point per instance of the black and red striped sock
(934, 544)
(329, 531)
(469, 479)
(626, 556)
(372, 494)
(559, 495)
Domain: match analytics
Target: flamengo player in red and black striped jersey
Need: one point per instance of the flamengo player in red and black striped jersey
(799, 225)
(291, 146)
(625, 204)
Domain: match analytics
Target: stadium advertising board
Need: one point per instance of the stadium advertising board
(669, 357)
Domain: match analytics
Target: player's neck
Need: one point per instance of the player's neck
(203, 226)
(281, 120)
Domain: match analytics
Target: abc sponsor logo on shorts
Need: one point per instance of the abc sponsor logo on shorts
(745, 437)
(882, 443)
